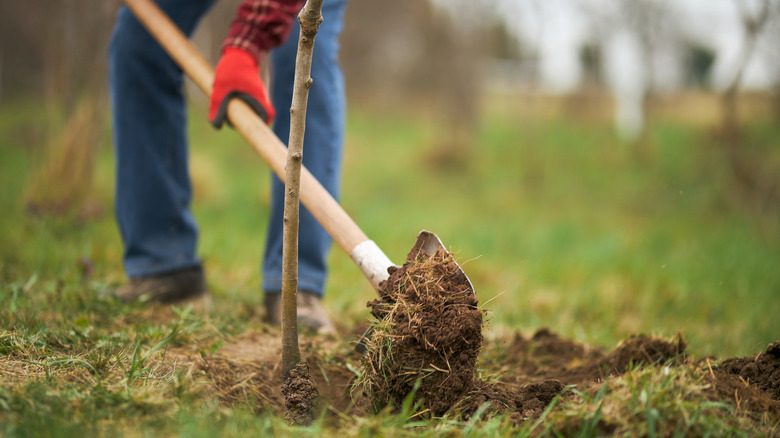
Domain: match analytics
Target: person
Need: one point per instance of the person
(153, 189)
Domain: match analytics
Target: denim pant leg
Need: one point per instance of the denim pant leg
(153, 189)
(322, 149)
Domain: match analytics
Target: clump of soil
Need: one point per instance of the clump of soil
(746, 397)
(426, 341)
(548, 356)
(300, 396)
(428, 330)
(519, 403)
(641, 350)
(762, 371)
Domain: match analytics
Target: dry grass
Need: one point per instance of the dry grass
(63, 182)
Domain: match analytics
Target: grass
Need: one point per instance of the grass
(647, 402)
(555, 221)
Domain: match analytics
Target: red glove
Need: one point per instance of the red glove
(238, 75)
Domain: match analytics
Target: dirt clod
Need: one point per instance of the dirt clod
(520, 403)
(429, 330)
(300, 396)
(548, 356)
(724, 386)
(641, 350)
(762, 371)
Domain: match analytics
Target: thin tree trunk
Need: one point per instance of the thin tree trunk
(310, 18)
(746, 170)
(730, 110)
(753, 26)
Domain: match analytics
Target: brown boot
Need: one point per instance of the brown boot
(311, 313)
(168, 288)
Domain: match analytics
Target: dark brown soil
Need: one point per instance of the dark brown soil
(761, 371)
(428, 335)
(547, 356)
(519, 402)
(300, 396)
(744, 396)
(641, 350)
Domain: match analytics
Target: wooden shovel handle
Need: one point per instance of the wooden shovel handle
(317, 200)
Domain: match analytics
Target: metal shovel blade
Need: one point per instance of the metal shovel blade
(429, 243)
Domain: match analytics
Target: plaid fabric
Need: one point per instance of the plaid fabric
(261, 25)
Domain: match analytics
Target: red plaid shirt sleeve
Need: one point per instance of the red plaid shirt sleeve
(261, 25)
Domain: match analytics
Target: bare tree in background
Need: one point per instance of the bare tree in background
(775, 57)
(381, 46)
(55, 50)
(754, 17)
(413, 53)
(456, 52)
(591, 55)
(754, 178)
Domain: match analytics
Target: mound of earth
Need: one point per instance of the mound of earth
(300, 396)
(520, 402)
(762, 371)
(427, 335)
(545, 355)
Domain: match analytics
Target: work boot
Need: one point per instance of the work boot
(168, 288)
(311, 314)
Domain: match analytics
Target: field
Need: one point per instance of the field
(574, 241)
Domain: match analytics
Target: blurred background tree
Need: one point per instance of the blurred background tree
(428, 58)
(756, 179)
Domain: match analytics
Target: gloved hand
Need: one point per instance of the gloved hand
(238, 75)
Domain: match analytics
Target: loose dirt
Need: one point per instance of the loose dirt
(247, 368)
(761, 371)
(427, 335)
(545, 355)
(300, 396)
(426, 353)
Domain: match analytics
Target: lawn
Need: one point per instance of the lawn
(557, 223)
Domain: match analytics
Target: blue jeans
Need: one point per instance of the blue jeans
(153, 189)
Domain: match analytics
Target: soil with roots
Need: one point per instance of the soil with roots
(300, 396)
(427, 335)
(528, 372)
(426, 352)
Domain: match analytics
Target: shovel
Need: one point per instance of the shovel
(373, 263)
